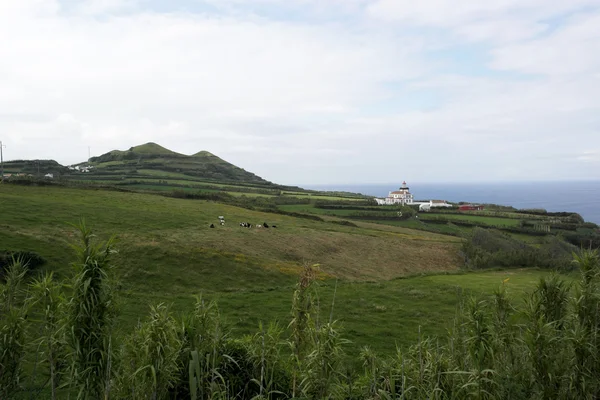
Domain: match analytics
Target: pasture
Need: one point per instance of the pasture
(487, 220)
(167, 253)
(384, 314)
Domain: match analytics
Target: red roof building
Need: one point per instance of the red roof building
(470, 207)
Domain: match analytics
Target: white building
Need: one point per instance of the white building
(401, 196)
(433, 204)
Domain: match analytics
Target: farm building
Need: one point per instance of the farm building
(433, 204)
(470, 207)
(401, 196)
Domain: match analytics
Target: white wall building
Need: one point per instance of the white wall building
(433, 204)
(401, 196)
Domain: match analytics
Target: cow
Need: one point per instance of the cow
(212, 225)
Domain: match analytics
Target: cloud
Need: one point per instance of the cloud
(572, 50)
(102, 7)
(298, 92)
(590, 156)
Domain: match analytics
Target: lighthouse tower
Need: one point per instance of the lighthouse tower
(401, 196)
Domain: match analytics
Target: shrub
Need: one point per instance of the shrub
(486, 248)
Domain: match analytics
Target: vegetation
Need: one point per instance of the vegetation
(154, 157)
(389, 313)
(543, 347)
(485, 248)
(34, 168)
(152, 168)
(29, 258)
(527, 226)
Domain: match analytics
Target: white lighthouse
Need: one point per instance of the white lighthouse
(402, 196)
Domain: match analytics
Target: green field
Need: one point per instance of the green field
(383, 314)
(487, 220)
(495, 221)
(167, 253)
(310, 209)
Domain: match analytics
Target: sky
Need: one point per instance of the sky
(311, 91)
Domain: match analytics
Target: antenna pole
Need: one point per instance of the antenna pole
(1, 161)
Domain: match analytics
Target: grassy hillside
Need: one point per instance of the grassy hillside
(155, 158)
(168, 253)
(34, 167)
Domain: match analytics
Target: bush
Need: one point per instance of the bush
(30, 259)
(486, 248)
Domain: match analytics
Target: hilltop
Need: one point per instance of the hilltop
(34, 167)
(151, 159)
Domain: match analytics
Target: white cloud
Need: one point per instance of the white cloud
(572, 50)
(491, 21)
(590, 156)
(100, 7)
(298, 100)
(454, 13)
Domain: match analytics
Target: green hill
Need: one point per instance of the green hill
(167, 253)
(148, 148)
(34, 167)
(151, 159)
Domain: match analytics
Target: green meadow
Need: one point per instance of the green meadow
(388, 281)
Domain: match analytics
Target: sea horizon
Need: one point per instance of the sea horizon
(579, 196)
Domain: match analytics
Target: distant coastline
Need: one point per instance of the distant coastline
(582, 197)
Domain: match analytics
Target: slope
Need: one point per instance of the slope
(35, 168)
(168, 253)
(152, 160)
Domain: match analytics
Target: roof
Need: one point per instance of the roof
(439, 201)
(400, 192)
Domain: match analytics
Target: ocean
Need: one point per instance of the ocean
(582, 197)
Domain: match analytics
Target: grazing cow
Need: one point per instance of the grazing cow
(212, 225)
(273, 226)
(222, 223)
(265, 225)
(259, 226)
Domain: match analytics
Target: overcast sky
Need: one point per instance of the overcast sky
(311, 91)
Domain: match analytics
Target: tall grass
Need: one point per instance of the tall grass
(90, 317)
(547, 348)
(48, 295)
(150, 357)
(13, 315)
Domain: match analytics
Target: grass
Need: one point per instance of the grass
(382, 315)
(322, 197)
(310, 209)
(167, 253)
(201, 166)
(498, 221)
(444, 229)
